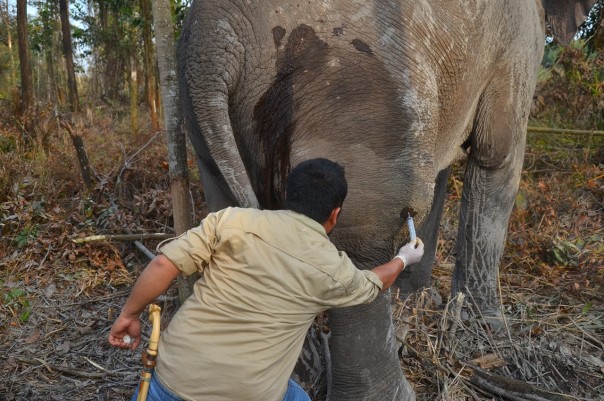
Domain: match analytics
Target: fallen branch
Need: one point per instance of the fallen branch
(139, 245)
(511, 389)
(122, 237)
(62, 369)
(546, 130)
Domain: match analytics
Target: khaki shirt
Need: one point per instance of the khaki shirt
(265, 276)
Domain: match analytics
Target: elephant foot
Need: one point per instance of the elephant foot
(459, 311)
(495, 321)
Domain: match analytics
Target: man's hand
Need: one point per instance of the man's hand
(125, 326)
(154, 280)
(412, 252)
(409, 254)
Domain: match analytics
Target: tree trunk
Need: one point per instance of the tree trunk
(149, 63)
(51, 64)
(27, 91)
(116, 61)
(133, 93)
(51, 71)
(177, 154)
(68, 54)
(27, 124)
(9, 40)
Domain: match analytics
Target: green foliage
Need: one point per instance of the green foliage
(5, 71)
(566, 252)
(7, 144)
(26, 236)
(5, 59)
(42, 27)
(17, 301)
(179, 13)
(570, 88)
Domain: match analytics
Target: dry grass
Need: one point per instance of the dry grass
(543, 342)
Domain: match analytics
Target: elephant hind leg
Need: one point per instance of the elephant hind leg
(490, 184)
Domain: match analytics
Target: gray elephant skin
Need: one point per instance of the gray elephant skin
(395, 91)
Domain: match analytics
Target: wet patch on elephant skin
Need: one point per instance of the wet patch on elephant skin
(361, 46)
(274, 112)
(407, 212)
(339, 30)
(278, 34)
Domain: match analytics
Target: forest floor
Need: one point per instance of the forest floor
(60, 298)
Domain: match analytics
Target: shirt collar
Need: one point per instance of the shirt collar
(307, 221)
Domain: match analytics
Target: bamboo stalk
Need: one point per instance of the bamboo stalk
(547, 130)
(122, 237)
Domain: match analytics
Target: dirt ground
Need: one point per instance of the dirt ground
(59, 298)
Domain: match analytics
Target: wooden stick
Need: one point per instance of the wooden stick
(139, 245)
(547, 130)
(122, 237)
(62, 369)
(510, 388)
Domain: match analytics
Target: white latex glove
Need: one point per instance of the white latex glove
(411, 253)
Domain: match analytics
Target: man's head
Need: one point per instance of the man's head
(315, 188)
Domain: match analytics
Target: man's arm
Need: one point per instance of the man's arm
(154, 281)
(407, 255)
(388, 272)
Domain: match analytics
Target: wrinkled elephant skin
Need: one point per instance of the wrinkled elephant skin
(393, 90)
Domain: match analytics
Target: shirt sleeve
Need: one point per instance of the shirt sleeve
(191, 251)
(360, 286)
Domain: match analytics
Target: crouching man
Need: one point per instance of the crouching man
(265, 275)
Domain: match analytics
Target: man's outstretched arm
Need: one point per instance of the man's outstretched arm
(153, 281)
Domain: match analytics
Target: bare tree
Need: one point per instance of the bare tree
(133, 92)
(173, 122)
(68, 54)
(149, 63)
(26, 99)
(9, 40)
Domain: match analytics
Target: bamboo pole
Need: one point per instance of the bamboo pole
(151, 353)
(122, 237)
(547, 130)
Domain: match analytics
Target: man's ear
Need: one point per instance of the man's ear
(333, 217)
(330, 223)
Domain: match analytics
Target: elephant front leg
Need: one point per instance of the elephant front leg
(365, 364)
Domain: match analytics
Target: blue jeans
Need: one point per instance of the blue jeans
(157, 392)
(295, 392)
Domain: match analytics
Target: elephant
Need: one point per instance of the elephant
(395, 91)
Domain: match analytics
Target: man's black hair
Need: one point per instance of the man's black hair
(315, 187)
